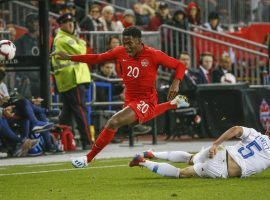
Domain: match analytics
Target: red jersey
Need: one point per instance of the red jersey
(139, 73)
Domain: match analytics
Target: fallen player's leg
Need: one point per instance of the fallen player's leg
(173, 156)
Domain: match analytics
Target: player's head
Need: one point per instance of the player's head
(185, 58)
(132, 40)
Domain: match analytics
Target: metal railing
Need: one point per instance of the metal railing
(225, 37)
(246, 61)
(17, 11)
(129, 3)
(97, 41)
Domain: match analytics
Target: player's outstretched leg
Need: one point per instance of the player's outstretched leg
(123, 117)
(178, 102)
(103, 139)
(163, 169)
(173, 156)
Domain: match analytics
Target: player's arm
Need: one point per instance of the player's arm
(171, 63)
(235, 131)
(87, 58)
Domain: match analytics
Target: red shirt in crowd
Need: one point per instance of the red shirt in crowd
(139, 73)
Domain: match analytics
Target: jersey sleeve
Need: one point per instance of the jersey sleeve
(171, 63)
(96, 58)
(249, 134)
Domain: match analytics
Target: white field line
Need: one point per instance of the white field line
(61, 170)
(46, 165)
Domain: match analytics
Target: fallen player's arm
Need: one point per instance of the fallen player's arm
(235, 131)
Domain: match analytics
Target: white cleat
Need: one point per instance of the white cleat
(80, 162)
(180, 101)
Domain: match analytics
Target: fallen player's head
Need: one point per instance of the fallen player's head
(132, 40)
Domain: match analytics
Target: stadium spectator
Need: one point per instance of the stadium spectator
(12, 33)
(263, 10)
(78, 14)
(22, 107)
(223, 74)
(179, 40)
(113, 42)
(213, 22)
(216, 161)
(179, 19)
(140, 92)
(141, 17)
(2, 25)
(128, 18)
(28, 45)
(76, 11)
(17, 146)
(107, 70)
(188, 84)
(71, 78)
(150, 7)
(11, 76)
(162, 16)
(91, 22)
(203, 74)
(193, 13)
(188, 129)
(107, 20)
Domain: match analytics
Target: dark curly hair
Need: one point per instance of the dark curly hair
(132, 31)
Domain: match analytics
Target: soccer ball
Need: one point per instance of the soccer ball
(228, 78)
(7, 50)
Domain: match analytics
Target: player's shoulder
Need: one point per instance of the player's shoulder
(150, 49)
(119, 49)
(249, 132)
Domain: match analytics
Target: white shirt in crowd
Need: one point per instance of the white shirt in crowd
(3, 90)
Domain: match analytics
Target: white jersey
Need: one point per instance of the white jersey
(252, 153)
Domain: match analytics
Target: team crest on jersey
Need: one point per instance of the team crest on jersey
(71, 42)
(144, 62)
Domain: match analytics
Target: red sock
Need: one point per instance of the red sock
(161, 108)
(104, 138)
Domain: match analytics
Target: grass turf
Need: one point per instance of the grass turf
(113, 179)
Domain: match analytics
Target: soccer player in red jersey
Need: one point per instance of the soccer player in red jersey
(139, 64)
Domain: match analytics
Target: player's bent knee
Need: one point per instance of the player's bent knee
(113, 123)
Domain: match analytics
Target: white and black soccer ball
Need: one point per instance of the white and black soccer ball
(7, 50)
(228, 78)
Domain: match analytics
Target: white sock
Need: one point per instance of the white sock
(174, 156)
(163, 169)
(202, 156)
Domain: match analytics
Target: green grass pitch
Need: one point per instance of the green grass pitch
(113, 179)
